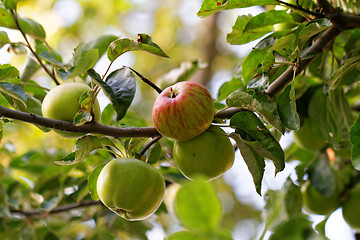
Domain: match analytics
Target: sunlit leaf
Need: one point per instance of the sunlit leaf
(122, 45)
(8, 71)
(262, 141)
(92, 181)
(313, 28)
(85, 63)
(197, 206)
(254, 162)
(6, 19)
(287, 108)
(153, 153)
(185, 235)
(4, 39)
(265, 21)
(238, 36)
(10, 4)
(119, 87)
(259, 103)
(32, 28)
(347, 74)
(101, 43)
(355, 142)
(209, 7)
(228, 87)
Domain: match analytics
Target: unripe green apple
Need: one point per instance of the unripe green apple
(351, 208)
(307, 139)
(315, 202)
(131, 188)
(183, 111)
(62, 103)
(210, 154)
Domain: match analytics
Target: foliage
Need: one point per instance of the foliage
(305, 73)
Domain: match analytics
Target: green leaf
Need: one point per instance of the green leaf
(322, 177)
(183, 73)
(238, 36)
(185, 235)
(228, 87)
(347, 74)
(251, 64)
(298, 228)
(293, 199)
(153, 153)
(85, 62)
(259, 103)
(32, 28)
(197, 206)
(119, 87)
(101, 43)
(313, 28)
(51, 58)
(10, 4)
(264, 22)
(4, 39)
(13, 91)
(8, 71)
(92, 181)
(355, 144)
(254, 162)
(122, 45)
(6, 19)
(87, 144)
(262, 141)
(286, 106)
(209, 7)
(86, 105)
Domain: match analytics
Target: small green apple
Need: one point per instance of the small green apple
(210, 154)
(62, 103)
(306, 138)
(351, 208)
(315, 202)
(131, 188)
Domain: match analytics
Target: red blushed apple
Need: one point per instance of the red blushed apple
(183, 111)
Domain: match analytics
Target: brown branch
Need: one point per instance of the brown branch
(91, 127)
(63, 208)
(320, 44)
(31, 49)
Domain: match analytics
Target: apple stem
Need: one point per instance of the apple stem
(147, 81)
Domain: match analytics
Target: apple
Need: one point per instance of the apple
(183, 111)
(131, 188)
(210, 154)
(351, 208)
(62, 103)
(308, 138)
(315, 202)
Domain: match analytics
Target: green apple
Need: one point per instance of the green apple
(210, 154)
(62, 103)
(306, 138)
(131, 188)
(315, 202)
(183, 111)
(351, 208)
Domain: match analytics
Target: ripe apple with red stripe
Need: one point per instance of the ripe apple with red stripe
(183, 111)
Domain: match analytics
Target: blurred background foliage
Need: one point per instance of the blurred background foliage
(32, 182)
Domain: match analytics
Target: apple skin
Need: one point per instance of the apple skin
(183, 111)
(131, 188)
(351, 208)
(315, 202)
(62, 103)
(210, 154)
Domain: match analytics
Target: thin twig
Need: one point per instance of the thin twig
(149, 144)
(147, 81)
(31, 49)
(63, 208)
